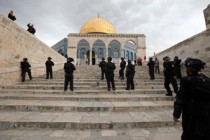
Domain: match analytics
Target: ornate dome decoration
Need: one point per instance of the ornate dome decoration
(97, 25)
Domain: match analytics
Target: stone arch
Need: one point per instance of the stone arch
(82, 47)
(114, 49)
(99, 48)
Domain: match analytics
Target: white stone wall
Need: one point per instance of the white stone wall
(197, 46)
(17, 43)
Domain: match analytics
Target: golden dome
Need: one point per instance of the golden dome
(97, 25)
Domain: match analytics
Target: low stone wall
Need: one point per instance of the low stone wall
(17, 43)
(197, 46)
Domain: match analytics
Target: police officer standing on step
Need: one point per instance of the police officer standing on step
(69, 69)
(25, 67)
(169, 75)
(151, 65)
(109, 70)
(102, 66)
(122, 68)
(49, 65)
(193, 103)
(130, 72)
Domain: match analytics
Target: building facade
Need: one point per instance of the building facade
(98, 39)
(61, 47)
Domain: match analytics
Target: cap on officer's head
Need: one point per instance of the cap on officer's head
(49, 58)
(166, 58)
(122, 58)
(195, 64)
(102, 58)
(70, 59)
(25, 59)
(109, 58)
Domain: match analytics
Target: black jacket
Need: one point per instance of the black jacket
(102, 65)
(49, 64)
(69, 68)
(109, 69)
(130, 70)
(168, 69)
(122, 64)
(25, 66)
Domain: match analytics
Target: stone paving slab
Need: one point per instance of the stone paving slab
(86, 120)
(163, 133)
(87, 91)
(88, 97)
(60, 105)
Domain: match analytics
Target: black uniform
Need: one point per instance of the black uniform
(151, 65)
(12, 17)
(177, 68)
(130, 72)
(169, 77)
(25, 67)
(31, 29)
(122, 68)
(102, 66)
(49, 65)
(69, 69)
(195, 110)
(109, 69)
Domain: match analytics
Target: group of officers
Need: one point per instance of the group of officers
(194, 108)
(107, 69)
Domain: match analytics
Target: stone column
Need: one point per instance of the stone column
(90, 56)
(107, 52)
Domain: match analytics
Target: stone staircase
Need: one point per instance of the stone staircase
(42, 104)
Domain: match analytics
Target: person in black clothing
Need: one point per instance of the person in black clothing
(25, 67)
(31, 28)
(151, 65)
(122, 67)
(192, 104)
(102, 66)
(49, 65)
(130, 72)
(109, 70)
(11, 16)
(69, 69)
(177, 66)
(169, 75)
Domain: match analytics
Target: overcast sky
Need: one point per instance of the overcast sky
(164, 22)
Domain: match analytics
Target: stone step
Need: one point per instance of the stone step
(79, 87)
(88, 97)
(87, 106)
(156, 133)
(86, 120)
(117, 91)
(84, 83)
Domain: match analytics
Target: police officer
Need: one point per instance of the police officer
(25, 67)
(190, 102)
(177, 66)
(109, 69)
(49, 65)
(151, 65)
(130, 72)
(69, 69)
(122, 68)
(102, 66)
(169, 75)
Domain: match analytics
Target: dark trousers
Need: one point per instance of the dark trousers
(102, 74)
(152, 74)
(173, 81)
(121, 73)
(157, 69)
(67, 80)
(130, 83)
(110, 79)
(23, 74)
(49, 73)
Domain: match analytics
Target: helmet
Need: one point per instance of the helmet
(122, 58)
(25, 59)
(109, 58)
(49, 58)
(194, 63)
(102, 58)
(70, 59)
(166, 59)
